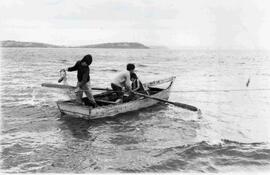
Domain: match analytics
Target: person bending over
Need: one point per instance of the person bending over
(122, 81)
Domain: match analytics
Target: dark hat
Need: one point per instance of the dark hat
(130, 67)
(87, 59)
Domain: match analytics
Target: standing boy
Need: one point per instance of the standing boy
(83, 84)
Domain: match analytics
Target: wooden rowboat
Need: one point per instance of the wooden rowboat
(107, 107)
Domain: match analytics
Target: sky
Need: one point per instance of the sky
(213, 24)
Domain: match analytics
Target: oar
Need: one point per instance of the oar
(181, 105)
(60, 86)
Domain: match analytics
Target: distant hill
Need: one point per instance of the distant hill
(124, 45)
(10, 43)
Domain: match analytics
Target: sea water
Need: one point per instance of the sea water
(232, 89)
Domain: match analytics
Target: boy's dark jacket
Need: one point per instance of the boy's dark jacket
(82, 71)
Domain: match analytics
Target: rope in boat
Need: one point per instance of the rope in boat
(202, 90)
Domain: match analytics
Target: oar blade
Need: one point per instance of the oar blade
(181, 105)
(185, 106)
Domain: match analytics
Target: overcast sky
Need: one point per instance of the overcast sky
(173, 23)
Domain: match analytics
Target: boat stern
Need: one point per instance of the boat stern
(71, 108)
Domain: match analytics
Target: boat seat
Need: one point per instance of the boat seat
(105, 101)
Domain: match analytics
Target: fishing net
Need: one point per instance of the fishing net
(63, 80)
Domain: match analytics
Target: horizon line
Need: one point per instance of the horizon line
(150, 45)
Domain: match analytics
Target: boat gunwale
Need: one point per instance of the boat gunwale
(170, 79)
